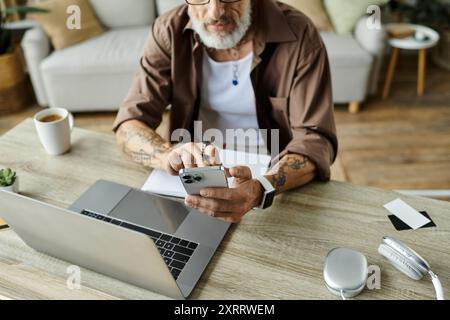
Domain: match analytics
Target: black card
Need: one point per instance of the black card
(401, 226)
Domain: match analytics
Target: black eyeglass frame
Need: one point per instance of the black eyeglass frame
(208, 1)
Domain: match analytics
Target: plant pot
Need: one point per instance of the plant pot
(441, 54)
(12, 70)
(14, 188)
(14, 92)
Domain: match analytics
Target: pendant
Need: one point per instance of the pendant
(235, 75)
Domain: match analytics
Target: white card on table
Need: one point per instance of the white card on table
(407, 214)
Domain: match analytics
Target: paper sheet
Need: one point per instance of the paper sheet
(160, 182)
(407, 214)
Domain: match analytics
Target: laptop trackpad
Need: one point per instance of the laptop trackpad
(101, 198)
(151, 211)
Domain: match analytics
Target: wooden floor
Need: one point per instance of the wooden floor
(400, 143)
(404, 141)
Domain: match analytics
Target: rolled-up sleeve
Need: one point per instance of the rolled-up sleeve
(150, 91)
(311, 112)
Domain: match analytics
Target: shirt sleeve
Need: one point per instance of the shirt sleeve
(150, 91)
(311, 112)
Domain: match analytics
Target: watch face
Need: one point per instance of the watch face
(269, 199)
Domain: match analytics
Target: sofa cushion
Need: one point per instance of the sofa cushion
(124, 13)
(96, 74)
(165, 5)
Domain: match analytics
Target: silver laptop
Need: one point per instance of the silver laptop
(150, 241)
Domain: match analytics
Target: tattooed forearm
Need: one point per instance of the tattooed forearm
(297, 164)
(143, 144)
(292, 171)
(145, 158)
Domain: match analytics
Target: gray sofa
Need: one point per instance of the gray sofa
(95, 75)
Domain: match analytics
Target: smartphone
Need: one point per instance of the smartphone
(196, 179)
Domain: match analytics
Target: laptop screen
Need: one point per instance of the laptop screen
(150, 211)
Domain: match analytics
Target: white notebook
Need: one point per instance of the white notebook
(160, 182)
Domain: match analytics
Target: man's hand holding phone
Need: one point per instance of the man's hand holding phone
(229, 204)
(215, 198)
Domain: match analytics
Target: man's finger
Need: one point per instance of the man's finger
(219, 193)
(210, 205)
(188, 159)
(241, 172)
(198, 156)
(213, 155)
(219, 215)
(175, 162)
(227, 173)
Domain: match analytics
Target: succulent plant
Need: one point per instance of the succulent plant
(7, 177)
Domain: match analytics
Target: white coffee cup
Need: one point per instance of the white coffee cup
(55, 135)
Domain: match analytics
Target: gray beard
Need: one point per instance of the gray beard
(219, 42)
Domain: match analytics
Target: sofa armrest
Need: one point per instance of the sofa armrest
(372, 40)
(36, 47)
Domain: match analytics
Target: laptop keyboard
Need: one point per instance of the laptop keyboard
(176, 252)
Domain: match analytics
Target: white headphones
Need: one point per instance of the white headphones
(409, 262)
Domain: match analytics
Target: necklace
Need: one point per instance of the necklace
(235, 66)
(235, 81)
(236, 55)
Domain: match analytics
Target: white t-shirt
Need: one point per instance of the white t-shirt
(224, 105)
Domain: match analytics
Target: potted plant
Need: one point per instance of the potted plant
(434, 14)
(9, 181)
(12, 72)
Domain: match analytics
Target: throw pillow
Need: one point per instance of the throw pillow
(344, 14)
(314, 10)
(55, 26)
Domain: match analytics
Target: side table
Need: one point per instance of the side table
(411, 43)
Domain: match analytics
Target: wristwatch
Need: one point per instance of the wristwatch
(269, 193)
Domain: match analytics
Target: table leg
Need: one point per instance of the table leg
(390, 72)
(422, 71)
(354, 107)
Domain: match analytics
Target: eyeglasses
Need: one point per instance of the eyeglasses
(203, 2)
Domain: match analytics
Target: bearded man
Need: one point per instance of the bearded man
(233, 65)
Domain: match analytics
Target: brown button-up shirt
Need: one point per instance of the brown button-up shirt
(290, 75)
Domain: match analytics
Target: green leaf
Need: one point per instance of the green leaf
(25, 9)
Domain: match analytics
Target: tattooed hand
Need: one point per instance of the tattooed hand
(145, 146)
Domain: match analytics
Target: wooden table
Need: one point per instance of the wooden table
(273, 254)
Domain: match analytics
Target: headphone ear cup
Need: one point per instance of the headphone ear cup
(400, 262)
